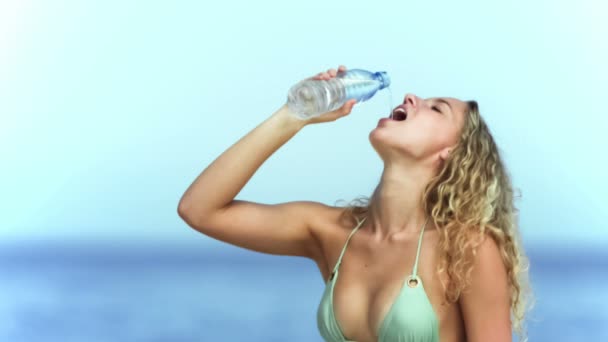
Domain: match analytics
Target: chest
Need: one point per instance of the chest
(371, 288)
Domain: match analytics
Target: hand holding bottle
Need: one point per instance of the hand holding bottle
(328, 92)
(337, 113)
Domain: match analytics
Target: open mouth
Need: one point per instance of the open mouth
(399, 114)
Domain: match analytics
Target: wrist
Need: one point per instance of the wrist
(288, 119)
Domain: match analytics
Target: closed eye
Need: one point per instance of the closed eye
(435, 108)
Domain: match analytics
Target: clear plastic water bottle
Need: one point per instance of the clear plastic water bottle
(310, 98)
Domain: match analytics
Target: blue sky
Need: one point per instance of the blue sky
(110, 109)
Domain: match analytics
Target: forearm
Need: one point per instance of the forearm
(224, 178)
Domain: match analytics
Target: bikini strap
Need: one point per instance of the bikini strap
(346, 244)
(414, 273)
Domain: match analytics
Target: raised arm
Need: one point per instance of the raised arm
(209, 204)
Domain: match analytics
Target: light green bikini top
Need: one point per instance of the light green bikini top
(411, 317)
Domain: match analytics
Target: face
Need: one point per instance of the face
(420, 128)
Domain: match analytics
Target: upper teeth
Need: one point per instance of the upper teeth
(400, 110)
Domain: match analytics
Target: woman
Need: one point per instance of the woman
(433, 255)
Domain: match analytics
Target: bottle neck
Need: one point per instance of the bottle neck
(383, 78)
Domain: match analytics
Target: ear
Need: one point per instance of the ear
(445, 153)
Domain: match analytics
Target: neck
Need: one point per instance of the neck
(397, 208)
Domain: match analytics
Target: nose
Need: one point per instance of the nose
(411, 99)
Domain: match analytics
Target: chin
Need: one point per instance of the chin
(377, 138)
(382, 143)
(384, 138)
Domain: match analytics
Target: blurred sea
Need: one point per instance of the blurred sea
(119, 292)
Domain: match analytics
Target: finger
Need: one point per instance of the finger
(347, 107)
(350, 104)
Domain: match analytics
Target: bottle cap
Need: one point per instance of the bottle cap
(384, 79)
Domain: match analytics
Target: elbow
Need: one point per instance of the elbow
(191, 215)
(195, 216)
(183, 210)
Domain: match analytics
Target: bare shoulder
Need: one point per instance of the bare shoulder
(489, 270)
(488, 260)
(486, 303)
(330, 228)
(331, 218)
(331, 222)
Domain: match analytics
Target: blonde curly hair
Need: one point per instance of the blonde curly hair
(472, 197)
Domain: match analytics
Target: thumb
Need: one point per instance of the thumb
(347, 107)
